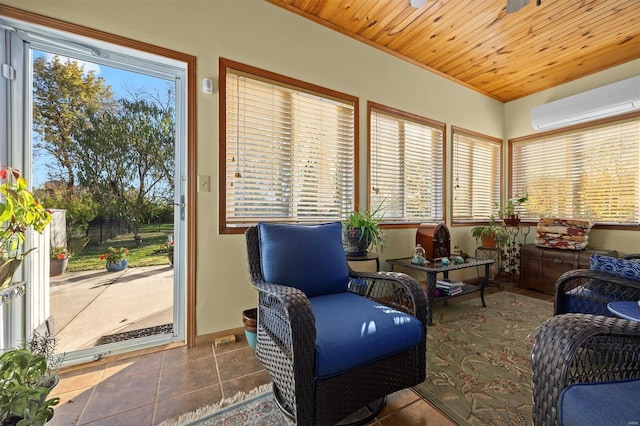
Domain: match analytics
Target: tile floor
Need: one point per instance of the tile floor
(150, 388)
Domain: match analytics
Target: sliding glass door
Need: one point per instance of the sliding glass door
(99, 131)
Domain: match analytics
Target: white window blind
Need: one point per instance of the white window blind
(289, 152)
(477, 161)
(592, 172)
(406, 165)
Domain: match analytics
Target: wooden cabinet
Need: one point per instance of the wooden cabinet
(541, 267)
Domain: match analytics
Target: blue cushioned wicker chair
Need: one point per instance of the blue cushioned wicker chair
(586, 363)
(333, 340)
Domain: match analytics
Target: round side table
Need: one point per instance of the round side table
(364, 258)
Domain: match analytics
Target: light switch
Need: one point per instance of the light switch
(204, 183)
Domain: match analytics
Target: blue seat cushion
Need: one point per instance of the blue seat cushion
(584, 299)
(352, 331)
(308, 257)
(603, 403)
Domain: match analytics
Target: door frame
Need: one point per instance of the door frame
(190, 171)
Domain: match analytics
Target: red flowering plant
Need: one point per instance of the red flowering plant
(60, 253)
(19, 210)
(115, 255)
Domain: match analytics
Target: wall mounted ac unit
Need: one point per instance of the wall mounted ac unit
(606, 101)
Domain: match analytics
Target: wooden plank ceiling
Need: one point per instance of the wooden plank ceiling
(475, 43)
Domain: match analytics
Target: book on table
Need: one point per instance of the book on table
(449, 288)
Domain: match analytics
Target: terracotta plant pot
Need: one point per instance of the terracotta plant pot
(488, 241)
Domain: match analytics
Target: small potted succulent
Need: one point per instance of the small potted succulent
(116, 259)
(59, 259)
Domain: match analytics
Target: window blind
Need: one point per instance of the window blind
(592, 172)
(406, 163)
(289, 152)
(477, 175)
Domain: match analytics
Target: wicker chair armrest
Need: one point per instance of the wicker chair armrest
(393, 289)
(580, 348)
(607, 284)
(285, 313)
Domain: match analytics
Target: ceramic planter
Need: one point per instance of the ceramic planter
(117, 266)
(58, 266)
(250, 321)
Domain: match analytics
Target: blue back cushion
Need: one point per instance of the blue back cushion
(308, 257)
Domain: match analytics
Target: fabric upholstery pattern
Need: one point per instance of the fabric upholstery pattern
(557, 233)
(626, 268)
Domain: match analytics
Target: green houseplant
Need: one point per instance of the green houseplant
(509, 213)
(27, 375)
(19, 210)
(491, 235)
(361, 231)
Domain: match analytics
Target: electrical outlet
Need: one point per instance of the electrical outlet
(204, 183)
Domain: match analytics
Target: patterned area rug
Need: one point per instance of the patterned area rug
(257, 408)
(478, 359)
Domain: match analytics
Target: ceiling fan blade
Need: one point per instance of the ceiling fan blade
(516, 5)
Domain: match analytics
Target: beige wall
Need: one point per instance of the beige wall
(262, 35)
(518, 123)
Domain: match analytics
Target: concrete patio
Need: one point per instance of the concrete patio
(90, 304)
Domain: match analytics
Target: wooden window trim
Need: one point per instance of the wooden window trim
(258, 73)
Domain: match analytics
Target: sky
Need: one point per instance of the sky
(122, 83)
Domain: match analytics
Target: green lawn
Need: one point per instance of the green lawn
(152, 252)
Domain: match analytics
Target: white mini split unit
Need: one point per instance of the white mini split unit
(606, 101)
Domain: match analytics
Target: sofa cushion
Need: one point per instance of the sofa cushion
(589, 299)
(308, 257)
(626, 268)
(352, 331)
(603, 403)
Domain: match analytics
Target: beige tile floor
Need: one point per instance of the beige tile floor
(147, 389)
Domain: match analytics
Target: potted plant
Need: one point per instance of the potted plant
(19, 210)
(508, 213)
(361, 230)
(28, 374)
(116, 259)
(59, 259)
(491, 235)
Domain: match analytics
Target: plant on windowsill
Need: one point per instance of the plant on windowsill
(361, 231)
(509, 213)
(19, 211)
(116, 259)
